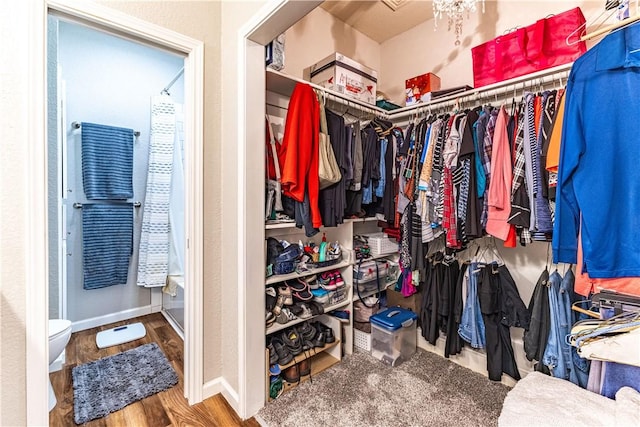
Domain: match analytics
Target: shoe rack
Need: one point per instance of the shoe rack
(319, 358)
(323, 357)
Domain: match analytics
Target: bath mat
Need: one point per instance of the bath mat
(111, 383)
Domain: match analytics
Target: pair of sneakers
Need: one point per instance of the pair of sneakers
(331, 280)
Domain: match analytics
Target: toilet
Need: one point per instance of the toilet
(59, 334)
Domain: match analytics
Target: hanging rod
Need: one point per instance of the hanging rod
(167, 87)
(482, 92)
(77, 205)
(76, 125)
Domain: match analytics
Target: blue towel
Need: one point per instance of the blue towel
(107, 244)
(107, 162)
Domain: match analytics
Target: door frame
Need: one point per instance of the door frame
(117, 23)
(274, 18)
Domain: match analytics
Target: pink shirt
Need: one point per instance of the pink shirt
(499, 194)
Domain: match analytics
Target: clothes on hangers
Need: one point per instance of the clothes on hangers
(598, 171)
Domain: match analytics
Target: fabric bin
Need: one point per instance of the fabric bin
(344, 75)
(393, 335)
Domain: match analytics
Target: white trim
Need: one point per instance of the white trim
(119, 316)
(220, 385)
(272, 19)
(36, 256)
(124, 25)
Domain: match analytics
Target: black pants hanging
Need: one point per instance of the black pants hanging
(500, 356)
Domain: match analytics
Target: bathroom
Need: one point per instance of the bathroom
(95, 77)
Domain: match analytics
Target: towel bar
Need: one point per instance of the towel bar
(79, 205)
(76, 125)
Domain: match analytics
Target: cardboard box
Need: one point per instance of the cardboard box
(418, 88)
(344, 75)
(396, 299)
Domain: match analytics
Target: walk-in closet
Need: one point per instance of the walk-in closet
(441, 194)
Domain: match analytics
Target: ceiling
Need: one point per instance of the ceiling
(376, 20)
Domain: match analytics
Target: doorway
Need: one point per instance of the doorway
(122, 25)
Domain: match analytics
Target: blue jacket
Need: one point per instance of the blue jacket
(599, 171)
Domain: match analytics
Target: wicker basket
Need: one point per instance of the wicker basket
(362, 340)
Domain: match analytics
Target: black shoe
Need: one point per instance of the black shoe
(292, 339)
(273, 355)
(284, 355)
(329, 337)
(307, 331)
(320, 340)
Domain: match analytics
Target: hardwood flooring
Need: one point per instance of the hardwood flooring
(168, 408)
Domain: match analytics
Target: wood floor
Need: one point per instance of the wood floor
(168, 408)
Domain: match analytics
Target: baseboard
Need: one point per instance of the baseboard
(94, 322)
(476, 360)
(220, 385)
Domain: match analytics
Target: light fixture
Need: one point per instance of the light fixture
(455, 11)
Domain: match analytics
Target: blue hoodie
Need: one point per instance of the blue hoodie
(599, 171)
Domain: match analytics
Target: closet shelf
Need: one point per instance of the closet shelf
(292, 224)
(373, 292)
(283, 84)
(310, 354)
(279, 326)
(282, 277)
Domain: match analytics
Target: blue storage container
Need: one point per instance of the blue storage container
(393, 335)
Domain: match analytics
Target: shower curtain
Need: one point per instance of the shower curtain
(153, 262)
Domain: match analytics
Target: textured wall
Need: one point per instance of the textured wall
(326, 34)
(201, 20)
(13, 212)
(424, 50)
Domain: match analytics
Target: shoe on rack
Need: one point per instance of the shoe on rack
(304, 367)
(306, 312)
(273, 356)
(339, 279)
(300, 290)
(329, 337)
(307, 331)
(284, 355)
(319, 340)
(271, 297)
(320, 295)
(315, 307)
(342, 315)
(274, 370)
(285, 316)
(270, 318)
(292, 339)
(285, 292)
(291, 374)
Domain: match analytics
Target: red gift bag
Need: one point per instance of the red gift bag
(533, 48)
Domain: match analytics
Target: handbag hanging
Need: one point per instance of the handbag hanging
(328, 169)
(526, 50)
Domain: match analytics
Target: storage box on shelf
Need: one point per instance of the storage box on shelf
(344, 75)
(393, 335)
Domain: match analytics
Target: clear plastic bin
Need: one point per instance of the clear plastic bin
(393, 335)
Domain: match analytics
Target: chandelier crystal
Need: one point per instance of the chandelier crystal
(455, 11)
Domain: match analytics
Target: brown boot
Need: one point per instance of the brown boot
(304, 368)
(291, 374)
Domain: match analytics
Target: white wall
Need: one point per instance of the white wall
(421, 49)
(108, 81)
(318, 35)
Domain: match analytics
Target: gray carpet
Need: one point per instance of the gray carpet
(426, 390)
(111, 383)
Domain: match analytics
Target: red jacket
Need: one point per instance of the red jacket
(301, 149)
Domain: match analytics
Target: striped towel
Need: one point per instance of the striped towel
(107, 244)
(107, 162)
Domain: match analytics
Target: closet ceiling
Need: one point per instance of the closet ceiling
(377, 20)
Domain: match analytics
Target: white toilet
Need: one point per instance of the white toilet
(59, 334)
